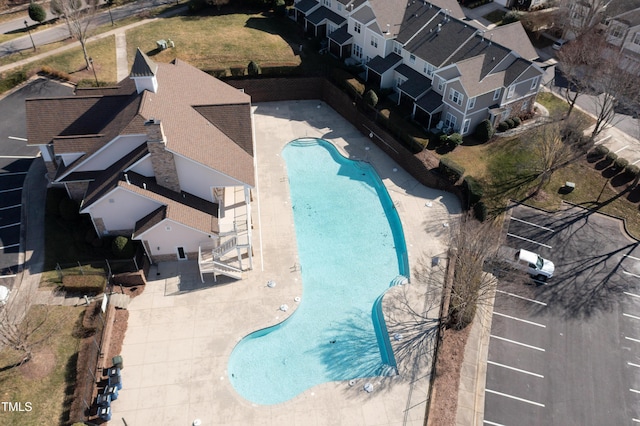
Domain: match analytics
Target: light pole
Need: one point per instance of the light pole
(26, 24)
(94, 72)
(109, 3)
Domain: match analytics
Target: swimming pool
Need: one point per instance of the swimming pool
(351, 248)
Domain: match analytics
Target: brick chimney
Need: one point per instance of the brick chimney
(164, 167)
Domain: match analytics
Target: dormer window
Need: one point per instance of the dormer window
(357, 27)
(496, 95)
(511, 91)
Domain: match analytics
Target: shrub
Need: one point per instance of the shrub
(516, 121)
(37, 12)
(68, 209)
(612, 156)
(600, 151)
(197, 5)
(279, 7)
(370, 98)
(218, 73)
(253, 69)
(484, 131)
(474, 189)
(503, 126)
(621, 163)
(510, 123)
(122, 247)
(54, 73)
(450, 169)
(455, 139)
(632, 170)
(237, 71)
(9, 81)
(480, 211)
(511, 17)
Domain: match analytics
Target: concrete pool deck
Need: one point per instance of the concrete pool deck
(181, 332)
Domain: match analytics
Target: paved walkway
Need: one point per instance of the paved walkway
(181, 333)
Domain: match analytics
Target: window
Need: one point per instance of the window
(357, 51)
(534, 83)
(397, 48)
(412, 59)
(471, 103)
(450, 121)
(511, 91)
(181, 254)
(617, 31)
(330, 28)
(455, 96)
(327, 3)
(465, 126)
(636, 38)
(400, 80)
(525, 105)
(496, 95)
(440, 84)
(356, 27)
(428, 69)
(339, 7)
(374, 41)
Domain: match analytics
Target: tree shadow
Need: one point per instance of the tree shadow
(610, 172)
(621, 179)
(603, 164)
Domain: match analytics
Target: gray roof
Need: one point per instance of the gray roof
(430, 102)
(480, 45)
(341, 35)
(305, 6)
(416, 84)
(321, 14)
(515, 70)
(363, 15)
(440, 39)
(631, 18)
(415, 17)
(380, 65)
(514, 37)
(143, 66)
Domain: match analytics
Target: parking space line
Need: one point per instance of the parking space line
(520, 319)
(9, 246)
(11, 190)
(11, 207)
(519, 343)
(621, 149)
(633, 365)
(629, 273)
(8, 276)
(506, 395)
(491, 423)
(528, 240)
(10, 226)
(636, 420)
(634, 390)
(522, 297)
(632, 339)
(516, 369)
(16, 138)
(629, 256)
(630, 316)
(533, 224)
(13, 173)
(632, 294)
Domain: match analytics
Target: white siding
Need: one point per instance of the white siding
(198, 180)
(167, 235)
(111, 152)
(70, 157)
(121, 209)
(143, 167)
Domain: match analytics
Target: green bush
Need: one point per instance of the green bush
(503, 126)
(474, 189)
(600, 151)
(450, 169)
(37, 12)
(197, 5)
(480, 211)
(253, 69)
(612, 157)
(510, 123)
(238, 71)
(511, 17)
(632, 170)
(370, 98)
(68, 209)
(484, 131)
(455, 139)
(621, 163)
(516, 121)
(279, 7)
(122, 247)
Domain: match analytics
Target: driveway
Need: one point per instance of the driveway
(567, 352)
(15, 159)
(180, 332)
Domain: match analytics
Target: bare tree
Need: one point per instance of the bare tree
(578, 17)
(578, 60)
(79, 18)
(218, 3)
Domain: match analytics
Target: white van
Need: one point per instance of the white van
(536, 266)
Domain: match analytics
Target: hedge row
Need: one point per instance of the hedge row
(602, 151)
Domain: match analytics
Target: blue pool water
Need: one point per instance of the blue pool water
(351, 247)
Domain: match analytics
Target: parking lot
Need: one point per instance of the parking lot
(567, 352)
(15, 159)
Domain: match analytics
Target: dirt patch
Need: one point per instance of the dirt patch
(132, 291)
(41, 364)
(444, 397)
(118, 331)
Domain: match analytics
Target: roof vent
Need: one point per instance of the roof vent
(439, 27)
(151, 121)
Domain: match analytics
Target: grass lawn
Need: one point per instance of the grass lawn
(217, 42)
(43, 381)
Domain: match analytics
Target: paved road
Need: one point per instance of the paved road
(568, 352)
(15, 159)
(60, 32)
